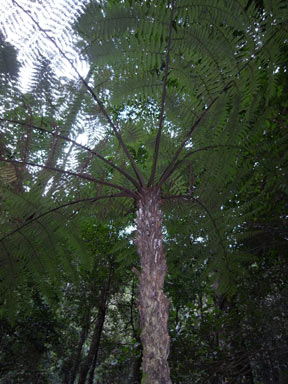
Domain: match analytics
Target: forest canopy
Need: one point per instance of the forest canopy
(143, 192)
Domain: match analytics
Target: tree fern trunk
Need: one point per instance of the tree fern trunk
(153, 304)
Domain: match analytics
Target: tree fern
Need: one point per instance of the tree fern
(195, 79)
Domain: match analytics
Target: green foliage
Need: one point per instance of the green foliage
(195, 91)
(8, 60)
(26, 344)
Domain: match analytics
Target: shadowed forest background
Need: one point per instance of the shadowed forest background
(143, 192)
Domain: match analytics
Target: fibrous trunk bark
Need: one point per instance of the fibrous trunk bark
(153, 304)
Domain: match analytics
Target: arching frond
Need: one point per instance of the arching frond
(177, 97)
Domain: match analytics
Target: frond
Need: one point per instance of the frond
(9, 65)
(166, 92)
(31, 40)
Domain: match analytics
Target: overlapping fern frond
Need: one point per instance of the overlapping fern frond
(173, 99)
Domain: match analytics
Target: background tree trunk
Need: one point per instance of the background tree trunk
(93, 367)
(77, 358)
(153, 304)
(95, 342)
